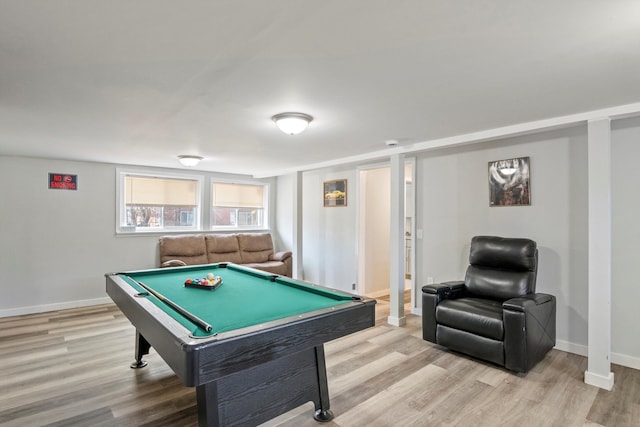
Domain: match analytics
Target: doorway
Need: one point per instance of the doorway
(374, 212)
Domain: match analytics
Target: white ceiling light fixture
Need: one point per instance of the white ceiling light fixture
(292, 123)
(189, 161)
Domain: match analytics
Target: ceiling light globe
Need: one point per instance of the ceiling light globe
(292, 123)
(189, 161)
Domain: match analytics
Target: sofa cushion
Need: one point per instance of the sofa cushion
(223, 248)
(255, 247)
(190, 249)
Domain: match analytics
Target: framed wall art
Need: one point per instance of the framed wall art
(509, 182)
(334, 193)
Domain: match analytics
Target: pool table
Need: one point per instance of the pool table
(252, 347)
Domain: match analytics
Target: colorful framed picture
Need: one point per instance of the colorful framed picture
(334, 193)
(509, 182)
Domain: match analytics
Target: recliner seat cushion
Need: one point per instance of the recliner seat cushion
(475, 315)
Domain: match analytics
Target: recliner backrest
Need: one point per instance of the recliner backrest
(502, 268)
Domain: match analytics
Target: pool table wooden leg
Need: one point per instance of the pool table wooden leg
(207, 402)
(142, 348)
(323, 413)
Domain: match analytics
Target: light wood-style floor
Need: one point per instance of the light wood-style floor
(71, 368)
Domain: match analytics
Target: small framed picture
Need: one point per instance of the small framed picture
(334, 193)
(509, 182)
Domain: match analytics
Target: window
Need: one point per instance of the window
(239, 205)
(156, 203)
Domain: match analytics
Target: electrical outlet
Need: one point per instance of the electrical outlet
(353, 287)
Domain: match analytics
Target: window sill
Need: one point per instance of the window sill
(127, 233)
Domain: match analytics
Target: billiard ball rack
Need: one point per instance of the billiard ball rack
(210, 285)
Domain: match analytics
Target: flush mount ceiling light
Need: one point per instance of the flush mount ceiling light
(292, 123)
(189, 161)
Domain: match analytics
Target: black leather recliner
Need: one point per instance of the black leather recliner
(494, 314)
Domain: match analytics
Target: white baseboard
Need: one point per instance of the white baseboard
(396, 321)
(632, 362)
(605, 382)
(624, 360)
(570, 347)
(582, 350)
(52, 307)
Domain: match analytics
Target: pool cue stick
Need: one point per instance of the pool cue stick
(195, 319)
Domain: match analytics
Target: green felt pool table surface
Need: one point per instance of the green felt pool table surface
(245, 298)
(264, 354)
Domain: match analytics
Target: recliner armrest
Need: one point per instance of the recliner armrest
(431, 297)
(529, 330)
(280, 256)
(173, 263)
(445, 289)
(525, 302)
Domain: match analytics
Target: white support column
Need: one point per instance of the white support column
(396, 262)
(296, 250)
(598, 371)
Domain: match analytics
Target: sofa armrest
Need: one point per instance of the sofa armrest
(173, 263)
(280, 256)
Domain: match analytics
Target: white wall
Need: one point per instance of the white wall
(56, 245)
(375, 217)
(453, 194)
(625, 289)
(284, 233)
(329, 234)
(452, 205)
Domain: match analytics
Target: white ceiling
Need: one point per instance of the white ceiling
(141, 82)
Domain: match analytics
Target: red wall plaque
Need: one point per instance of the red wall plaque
(63, 181)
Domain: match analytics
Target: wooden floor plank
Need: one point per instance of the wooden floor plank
(71, 368)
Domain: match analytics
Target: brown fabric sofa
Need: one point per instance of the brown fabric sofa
(249, 249)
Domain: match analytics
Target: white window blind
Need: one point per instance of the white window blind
(151, 191)
(158, 203)
(239, 205)
(238, 195)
